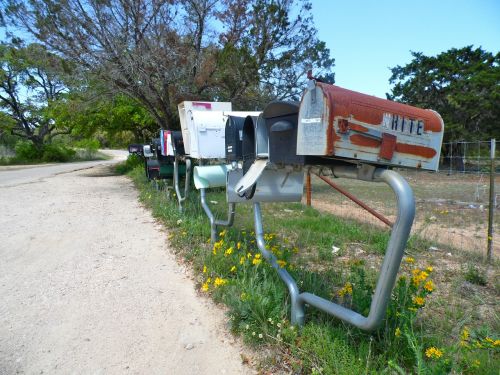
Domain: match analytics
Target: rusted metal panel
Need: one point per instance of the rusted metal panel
(342, 123)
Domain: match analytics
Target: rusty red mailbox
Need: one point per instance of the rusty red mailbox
(341, 123)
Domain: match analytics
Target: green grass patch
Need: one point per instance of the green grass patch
(233, 272)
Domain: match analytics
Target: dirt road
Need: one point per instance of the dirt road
(88, 285)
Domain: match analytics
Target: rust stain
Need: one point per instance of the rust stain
(403, 148)
(358, 128)
(370, 109)
(425, 152)
(330, 132)
(364, 141)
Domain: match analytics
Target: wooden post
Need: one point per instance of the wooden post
(491, 209)
(308, 189)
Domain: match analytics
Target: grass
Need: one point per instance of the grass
(429, 328)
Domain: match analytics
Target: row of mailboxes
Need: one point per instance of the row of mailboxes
(204, 128)
(171, 143)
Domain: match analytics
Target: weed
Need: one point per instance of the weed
(475, 275)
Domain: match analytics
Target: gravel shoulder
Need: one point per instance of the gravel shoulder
(89, 286)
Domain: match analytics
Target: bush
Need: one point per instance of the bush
(475, 275)
(26, 151)
(129, 164)
(57, 153)
(88, 148)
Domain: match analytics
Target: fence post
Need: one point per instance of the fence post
(308, 189)
(492, 201)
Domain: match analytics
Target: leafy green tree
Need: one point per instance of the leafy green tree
(30, 82)
(88, 112)
(463, 85)
(163, 52)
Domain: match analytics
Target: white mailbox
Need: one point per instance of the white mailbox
(190, 129)
(205, 131)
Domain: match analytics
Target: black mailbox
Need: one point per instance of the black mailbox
(281, 123)
(234, 138)
(136, 149)
(178, 143)
(152, 169)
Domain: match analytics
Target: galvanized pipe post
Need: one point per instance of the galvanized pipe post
(181, 198)
(297, 310)
(231, 210)
(390, 266)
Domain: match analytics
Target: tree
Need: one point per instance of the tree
(30, 82)
(164, 51)
(91, 111)
(463, 85)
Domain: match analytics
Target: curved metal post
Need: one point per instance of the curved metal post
(231, 210)
(181, 198)
(390, 266)
(297, 314)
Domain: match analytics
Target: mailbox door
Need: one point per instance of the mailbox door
(337, 122)
(208, 134)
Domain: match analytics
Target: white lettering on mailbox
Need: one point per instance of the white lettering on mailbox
(403, 124)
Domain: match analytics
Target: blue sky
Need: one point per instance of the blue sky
(367, 37)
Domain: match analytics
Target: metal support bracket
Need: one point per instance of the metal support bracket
(181, 198)
(231, 210)
(390, 266)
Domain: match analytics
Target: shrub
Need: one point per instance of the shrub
(475, 275)
(129, 164)
(57, 153)
(26, 151)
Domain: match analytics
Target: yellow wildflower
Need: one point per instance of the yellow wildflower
(419, 301)
(281, 263)
(257, 256)
(429, 286)
(433, 352)
(347, 289)
(228, 251)
(465, 334)
(429, 269)
(204, 287)
(410, 260)
(233, 269)
(238, 245)
(256, 261)
(219, 282)
(397, 333)
(223, 233)
(209, 280)
(204, 269)
(242, 260)
(496, 343)
(249, 255)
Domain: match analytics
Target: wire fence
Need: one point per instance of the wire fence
(452, 204)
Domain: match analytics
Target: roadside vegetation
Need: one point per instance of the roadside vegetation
(443, 317)
(25, 152)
